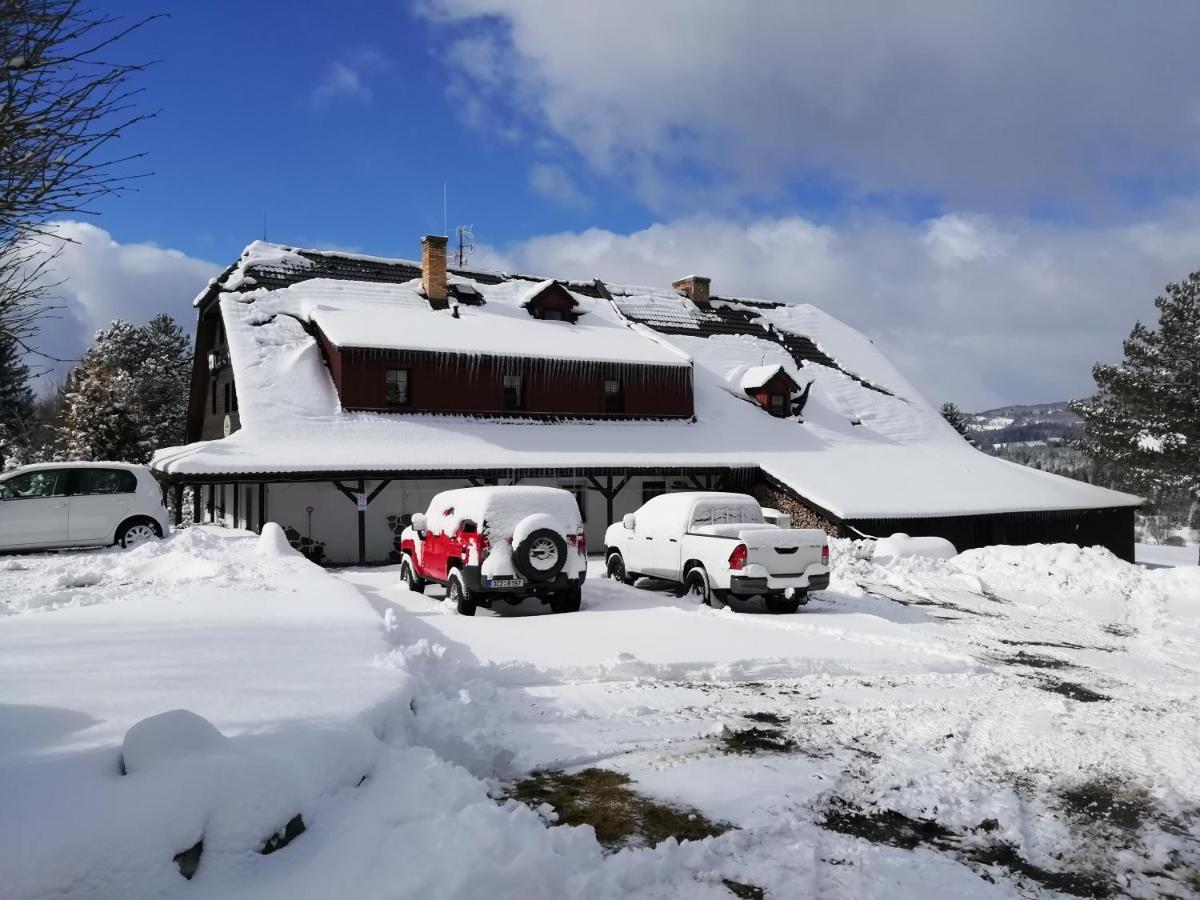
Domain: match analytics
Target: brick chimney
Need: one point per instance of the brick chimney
(694, 287)
(433, 270)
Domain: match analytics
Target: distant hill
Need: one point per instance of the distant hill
(1030, 425)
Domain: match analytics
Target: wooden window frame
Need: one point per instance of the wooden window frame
(387, 382)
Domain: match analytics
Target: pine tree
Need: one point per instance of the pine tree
(16, 406)
(1143, 425)
(958, 421)
(102, 418)
(142, 371)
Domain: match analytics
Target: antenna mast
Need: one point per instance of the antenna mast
(466, 244)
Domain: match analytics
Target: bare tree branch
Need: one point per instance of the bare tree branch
(62, 107)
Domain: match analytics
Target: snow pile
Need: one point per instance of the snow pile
(901, 545)
(273, 542)
(167, 737)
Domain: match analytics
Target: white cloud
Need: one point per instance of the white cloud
(989, 104)
(347, 79)
(554, 183)
(976, 309)
(102, 280)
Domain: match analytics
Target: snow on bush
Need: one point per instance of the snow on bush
(169, 736)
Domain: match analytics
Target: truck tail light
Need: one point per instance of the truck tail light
(579, 542)
(737, 559)
(825, 555)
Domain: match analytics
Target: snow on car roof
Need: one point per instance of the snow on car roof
(859, 453)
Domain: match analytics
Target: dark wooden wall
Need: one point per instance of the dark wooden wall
(1111, 528)
(461, 384)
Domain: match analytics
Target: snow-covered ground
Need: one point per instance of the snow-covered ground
(1009, 722)
(1166, 555)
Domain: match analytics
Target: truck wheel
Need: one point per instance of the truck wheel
(566, 601)
(458, 594)
(409, 576)
(616, 569)
(783, 605)
(695, 585)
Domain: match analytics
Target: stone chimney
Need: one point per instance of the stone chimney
(433, 270)
(695, 288)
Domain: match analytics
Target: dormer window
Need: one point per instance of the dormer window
(772, 388)
(551, 302)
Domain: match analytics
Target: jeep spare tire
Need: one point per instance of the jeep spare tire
(540, 553)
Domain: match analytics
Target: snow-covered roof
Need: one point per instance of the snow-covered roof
(869, 446)
(398, 317)
(756, 376)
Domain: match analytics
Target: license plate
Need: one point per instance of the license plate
(506, 582)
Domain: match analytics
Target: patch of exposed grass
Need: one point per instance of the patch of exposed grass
(1124, 805)
(883, 826)
(767, 718)
(1072, 691)
(745, 891)
(894, 829)
(620, 815)
(1035, 661)
(757, 740)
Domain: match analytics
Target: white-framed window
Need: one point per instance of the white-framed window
(396, 391)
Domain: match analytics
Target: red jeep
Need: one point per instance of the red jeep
(489, 543)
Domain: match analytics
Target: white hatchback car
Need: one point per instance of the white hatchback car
(80, 504)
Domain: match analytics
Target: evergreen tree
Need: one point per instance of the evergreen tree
(1144, 423)
(140, 374)
(102, 419)
(16, 406)
(958, 421)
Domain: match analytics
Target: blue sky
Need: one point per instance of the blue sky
(254, 121)
(966, 183)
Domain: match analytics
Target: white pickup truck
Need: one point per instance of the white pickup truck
(716, 545)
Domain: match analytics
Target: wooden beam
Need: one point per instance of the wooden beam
(375, 493)
(262, 505)
(362, 525)
(197, 505)
(346, 492)
(177, 504)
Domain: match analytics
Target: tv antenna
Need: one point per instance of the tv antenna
(466, 244)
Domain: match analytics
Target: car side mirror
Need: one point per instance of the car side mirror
(418, 522)
(629, 521)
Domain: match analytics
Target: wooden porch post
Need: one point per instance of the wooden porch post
(362, 525)
(197, 506)
(177, 504)
(262, 505)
